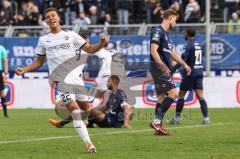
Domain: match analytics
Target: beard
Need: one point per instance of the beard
(171, 27)
(109, 87)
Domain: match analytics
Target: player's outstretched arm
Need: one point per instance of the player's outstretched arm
(178, 59)
(95, 47)
(33, 66)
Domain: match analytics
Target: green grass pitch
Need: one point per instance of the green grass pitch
(27, 134)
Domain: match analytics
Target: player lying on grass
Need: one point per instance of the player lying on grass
(192, 55)
(116, 113)
(58, 47)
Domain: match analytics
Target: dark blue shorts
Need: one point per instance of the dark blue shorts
(162, 83)
(192, 83)
(109, 122)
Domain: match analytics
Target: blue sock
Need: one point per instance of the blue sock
(66, 121)
(158, 111)
(204, 108)
(179, 107)
(166, 104)
(161, 109)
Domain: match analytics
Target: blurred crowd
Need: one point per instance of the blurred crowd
(85, 12)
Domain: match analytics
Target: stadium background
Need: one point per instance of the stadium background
(223, 73)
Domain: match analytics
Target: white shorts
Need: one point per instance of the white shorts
(74, 78)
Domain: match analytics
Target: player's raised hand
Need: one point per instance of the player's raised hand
(19, 71)
(188, 69)
(104, 40)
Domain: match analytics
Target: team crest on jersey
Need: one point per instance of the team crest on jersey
(149, 96)
(166, 38)
(66, 37)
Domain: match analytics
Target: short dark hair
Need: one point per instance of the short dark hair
(50, 9)
(169, 12)
(115, 79)
(191, 32)
(84, 34)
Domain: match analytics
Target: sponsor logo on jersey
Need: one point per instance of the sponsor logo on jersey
(149, 95)
(9, 91)
(59, 47)
(66, 37)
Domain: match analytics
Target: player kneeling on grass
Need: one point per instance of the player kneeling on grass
(60, 47)
(192, 55)
(116, 113)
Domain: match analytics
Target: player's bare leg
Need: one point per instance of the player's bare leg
(78, 123)
(203, 105)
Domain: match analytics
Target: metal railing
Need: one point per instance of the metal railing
(200, 27)
(225, 28)
(131, 29)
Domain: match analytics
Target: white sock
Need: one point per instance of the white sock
(206, 119)
(80, 126)
(156, 121)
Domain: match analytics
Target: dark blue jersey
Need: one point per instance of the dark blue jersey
(192, 55)
(162, 38)
(115, 105)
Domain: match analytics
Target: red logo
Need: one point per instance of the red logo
(149, 96)
(238, 92)
(9, 90)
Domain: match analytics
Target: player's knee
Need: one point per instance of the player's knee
(173, 94)
(72, 106)
(76, 115)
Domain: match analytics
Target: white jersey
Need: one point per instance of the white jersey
(106, 58)
(59, 47)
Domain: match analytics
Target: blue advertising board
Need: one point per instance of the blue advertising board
(225, 50)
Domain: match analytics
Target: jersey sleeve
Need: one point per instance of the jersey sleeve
(186, 51)
(3, 52)
(78, 41)
(123, 98)
(155, 36)
(40, 49)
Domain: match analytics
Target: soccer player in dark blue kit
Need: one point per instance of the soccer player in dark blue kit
(117, 112)
(192, 55)
(161, 56)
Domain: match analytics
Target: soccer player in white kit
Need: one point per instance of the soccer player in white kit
(105, 56)
(59, 46)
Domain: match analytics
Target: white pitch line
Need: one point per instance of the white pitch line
(106, 133)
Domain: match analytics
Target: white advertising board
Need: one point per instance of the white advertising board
(219, 92)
